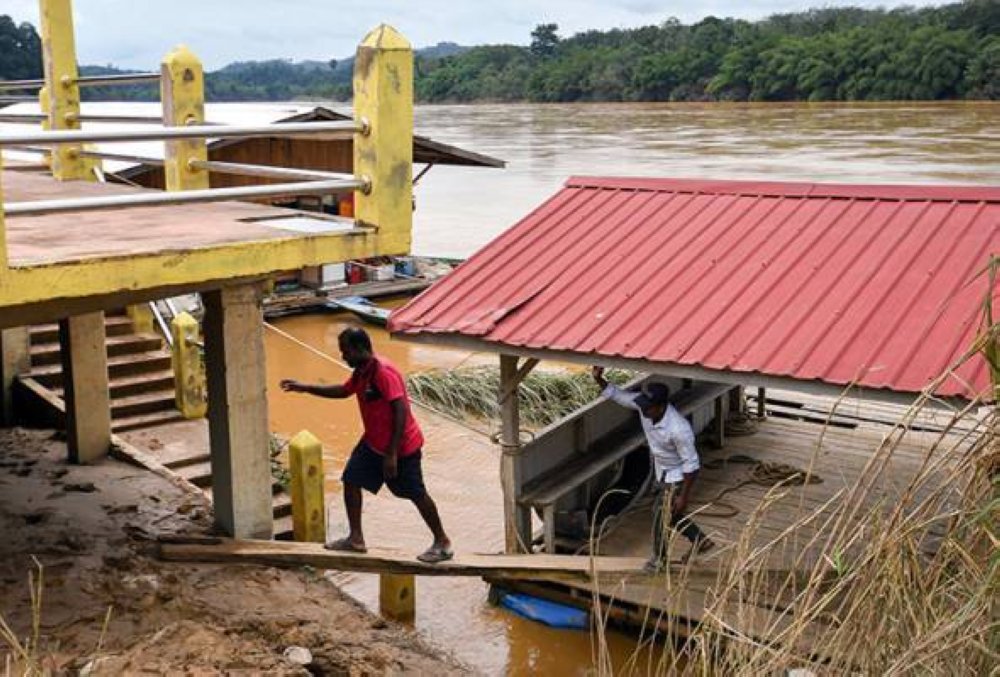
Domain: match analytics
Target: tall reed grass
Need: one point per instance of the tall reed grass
(544, 396)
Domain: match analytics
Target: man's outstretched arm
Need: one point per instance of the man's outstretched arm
(334, 392)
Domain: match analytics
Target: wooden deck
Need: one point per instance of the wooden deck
(839, 457)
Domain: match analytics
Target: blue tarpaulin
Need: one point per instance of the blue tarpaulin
(543, 611)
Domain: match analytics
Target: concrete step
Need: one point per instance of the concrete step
(126, 386)
(184, 461)
(48, 353)
(127, 423)
(284, 528)
(144, 403)
(119, 366)
(49, 333)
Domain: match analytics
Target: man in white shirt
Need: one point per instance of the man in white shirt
(675, 461)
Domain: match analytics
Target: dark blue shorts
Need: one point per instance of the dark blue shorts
(364, 469)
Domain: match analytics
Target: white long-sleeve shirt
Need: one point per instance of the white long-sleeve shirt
(670, 440)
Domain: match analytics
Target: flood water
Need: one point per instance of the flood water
(459, 209)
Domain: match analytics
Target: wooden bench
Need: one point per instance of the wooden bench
(544, 492)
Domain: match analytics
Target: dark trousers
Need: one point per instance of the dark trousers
(663, 500)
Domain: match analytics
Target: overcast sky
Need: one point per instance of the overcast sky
(136, 33)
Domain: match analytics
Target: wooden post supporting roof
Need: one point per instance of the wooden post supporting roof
(237, 413)
(383, 97)
(516, 518)
(85, 387)
(59, 60)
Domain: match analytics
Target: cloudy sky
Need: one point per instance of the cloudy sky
(136, 33)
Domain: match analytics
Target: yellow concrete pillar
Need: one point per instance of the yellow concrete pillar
(142, 318)
(59, 60)
(383, 97)
(45, 107)
(397, 596)
(3, 232)
(85, 386)
(182, 92)
(15, 358)
(305, 461)
(189, 370)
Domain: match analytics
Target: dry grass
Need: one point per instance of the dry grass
(900, 587)
(545, 396)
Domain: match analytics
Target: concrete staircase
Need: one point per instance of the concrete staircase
(141, 379)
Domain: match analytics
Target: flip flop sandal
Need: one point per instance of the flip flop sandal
(345, 545)
(435, 554)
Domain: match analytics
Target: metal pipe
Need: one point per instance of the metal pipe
(128, 119)
(42, 207)
(266, 171)
(85, 81)
(18, 99)
(341, 129)
(164, 327)
(126, 79)
(97, 154)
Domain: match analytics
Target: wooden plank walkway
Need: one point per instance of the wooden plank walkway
(276, 553)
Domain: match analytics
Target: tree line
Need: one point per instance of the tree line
(946, 52)
(836, 54)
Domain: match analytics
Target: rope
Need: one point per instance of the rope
(762, 473)
(333, 360)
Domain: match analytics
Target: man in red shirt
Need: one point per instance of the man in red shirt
(390, 449)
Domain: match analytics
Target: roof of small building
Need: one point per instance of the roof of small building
(877, 286)
(141, 115)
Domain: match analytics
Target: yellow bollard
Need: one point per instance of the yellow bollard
(305, 461)
(142, 318)
(182, 92)
(383, 97)
(397, 597)
(189, 370)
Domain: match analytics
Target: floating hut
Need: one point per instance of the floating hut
(857, 304)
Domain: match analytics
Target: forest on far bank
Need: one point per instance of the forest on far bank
(835, 54)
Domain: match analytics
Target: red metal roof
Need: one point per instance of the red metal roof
(876, 285)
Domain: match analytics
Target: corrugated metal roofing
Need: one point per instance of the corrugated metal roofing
(881, 286)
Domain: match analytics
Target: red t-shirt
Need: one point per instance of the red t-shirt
(376, 385)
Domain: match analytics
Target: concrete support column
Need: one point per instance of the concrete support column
(85, 384)
(237, 411)
(15, 358)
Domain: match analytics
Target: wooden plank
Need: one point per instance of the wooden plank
(279, 553)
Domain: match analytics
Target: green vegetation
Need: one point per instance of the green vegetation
(20, 50)
(545, 396)
(947, 52)
(836, 54)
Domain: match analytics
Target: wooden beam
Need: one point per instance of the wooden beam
(697, 373)
(85, 382)
(282, 553)
(522, 372)
(517, 519)
(237, 411)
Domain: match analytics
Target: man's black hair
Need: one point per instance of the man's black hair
(356, 338)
